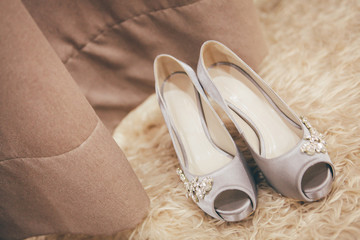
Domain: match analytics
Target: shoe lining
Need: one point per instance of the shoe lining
(278, 134)
(180, 97)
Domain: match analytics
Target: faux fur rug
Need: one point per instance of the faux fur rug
(314, 65)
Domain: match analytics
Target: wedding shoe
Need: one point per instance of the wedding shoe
(289, 151)
(213, 171)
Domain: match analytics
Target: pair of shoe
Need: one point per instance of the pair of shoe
(288, 150)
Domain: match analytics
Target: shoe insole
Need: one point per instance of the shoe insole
(203, 157)
(278, 135)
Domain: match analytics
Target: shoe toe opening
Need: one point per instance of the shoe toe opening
(316, 182)
(233, 205)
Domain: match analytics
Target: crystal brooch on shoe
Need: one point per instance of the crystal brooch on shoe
(195, 189)
(315, 142)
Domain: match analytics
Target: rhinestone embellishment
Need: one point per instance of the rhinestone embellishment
(195, 189)
(315, 142)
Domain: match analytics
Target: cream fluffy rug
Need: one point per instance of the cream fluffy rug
(314, 65)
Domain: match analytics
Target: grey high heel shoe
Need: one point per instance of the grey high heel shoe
(288, 150)
(213, 171)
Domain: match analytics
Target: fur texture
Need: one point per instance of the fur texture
(314, 65)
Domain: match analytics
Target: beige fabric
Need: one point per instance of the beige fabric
(109, 46)
(60, 169)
